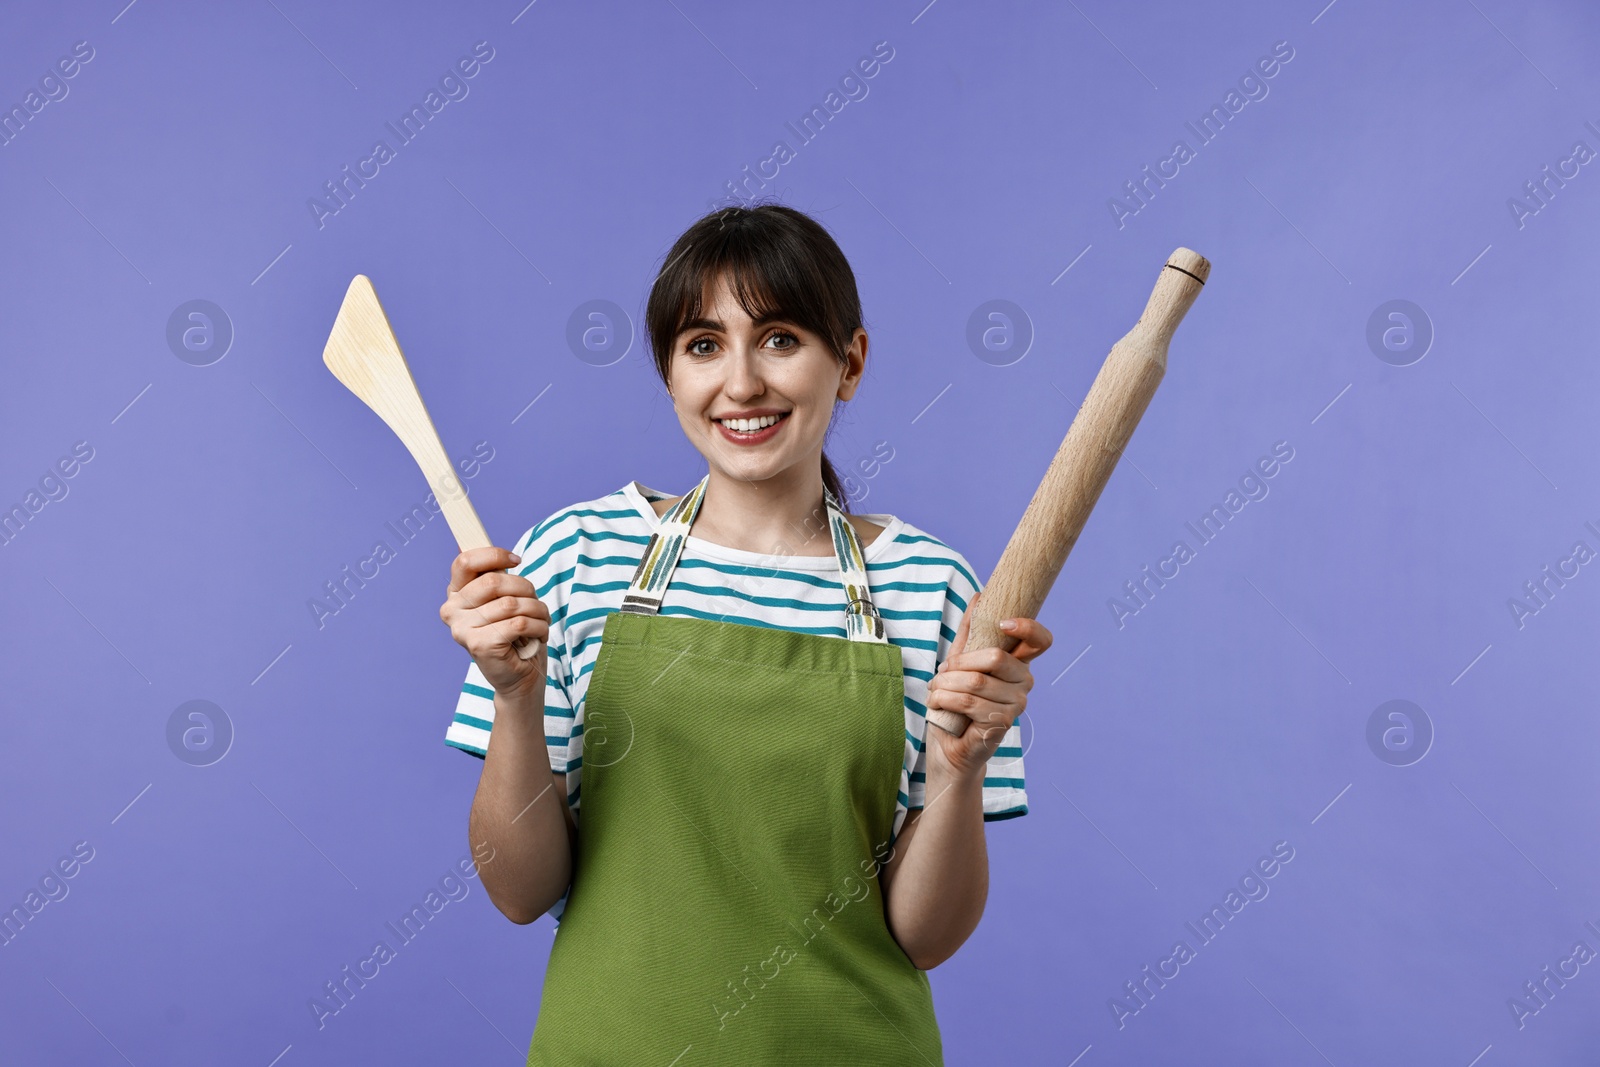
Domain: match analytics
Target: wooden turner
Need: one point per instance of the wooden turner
(363, 354)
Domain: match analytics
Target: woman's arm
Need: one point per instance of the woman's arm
(936, 881)
(520, 810)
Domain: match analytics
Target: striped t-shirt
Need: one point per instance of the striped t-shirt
(581, 559)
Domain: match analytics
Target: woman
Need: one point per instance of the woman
(774, 847)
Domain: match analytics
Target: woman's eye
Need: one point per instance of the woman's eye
(793, 341)
(694, 348)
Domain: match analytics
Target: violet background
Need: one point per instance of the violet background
(1227, 715)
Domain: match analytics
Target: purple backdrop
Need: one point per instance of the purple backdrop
(1394, 200)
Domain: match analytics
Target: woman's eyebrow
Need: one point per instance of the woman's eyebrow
(713, 324)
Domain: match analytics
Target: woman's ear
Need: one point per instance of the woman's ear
(855, 364)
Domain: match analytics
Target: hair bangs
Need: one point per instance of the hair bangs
(764, 281)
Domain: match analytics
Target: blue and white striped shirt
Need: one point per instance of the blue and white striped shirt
(581, 559)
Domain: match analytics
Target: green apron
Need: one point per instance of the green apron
(739, 787)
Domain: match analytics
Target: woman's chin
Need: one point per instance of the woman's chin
(750, 468)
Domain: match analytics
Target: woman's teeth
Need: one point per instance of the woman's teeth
(747, 425)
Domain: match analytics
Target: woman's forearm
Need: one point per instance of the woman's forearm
(520, 810)
(941, 883)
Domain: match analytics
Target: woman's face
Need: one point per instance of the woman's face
(727, 365)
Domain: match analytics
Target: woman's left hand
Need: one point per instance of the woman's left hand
(988, 686)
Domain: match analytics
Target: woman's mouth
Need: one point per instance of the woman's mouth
(756, 430)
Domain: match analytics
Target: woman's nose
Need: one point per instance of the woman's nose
(743, 378)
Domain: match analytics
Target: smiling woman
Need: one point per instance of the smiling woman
(737, 680)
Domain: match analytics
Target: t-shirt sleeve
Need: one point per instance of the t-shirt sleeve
(1004, 792)
(471, 727)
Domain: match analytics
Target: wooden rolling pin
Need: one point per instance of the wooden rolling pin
(1082, 466)
(363, 354)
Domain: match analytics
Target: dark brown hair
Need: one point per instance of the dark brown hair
(777, 260)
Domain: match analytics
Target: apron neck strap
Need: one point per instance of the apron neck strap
(660, 559)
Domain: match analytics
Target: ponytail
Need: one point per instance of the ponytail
(831, 480)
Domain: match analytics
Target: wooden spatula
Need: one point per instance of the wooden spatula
(363, 354)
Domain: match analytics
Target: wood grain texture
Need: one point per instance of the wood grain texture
(1082, 465)
(362, 352)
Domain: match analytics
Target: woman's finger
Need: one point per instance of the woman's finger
(476, 561)
(505, 607)
(959, 688)
(996, 661)
(1032, 638)
(487, 587)
(990, 718)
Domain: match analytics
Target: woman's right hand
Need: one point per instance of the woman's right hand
(488, 611)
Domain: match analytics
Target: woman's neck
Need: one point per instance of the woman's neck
(781, 516)
(777, 517)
